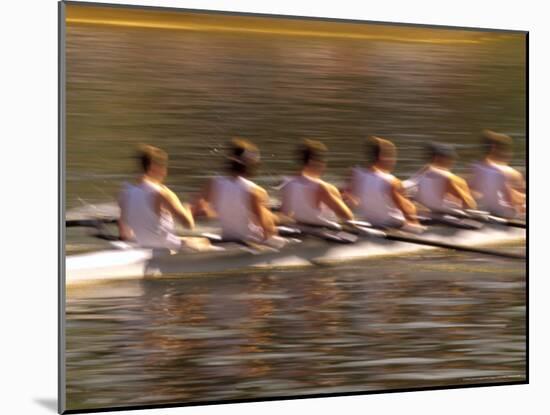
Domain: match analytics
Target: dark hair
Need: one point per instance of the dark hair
(148, 155)
(312, 150)
(237, 166)
(501, 142)
(373, 149)
(441, 150)
(376, 147)
(239, 153)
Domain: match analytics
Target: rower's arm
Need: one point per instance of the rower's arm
(515, 189)
(402, 202)
(202, 206)
(330, 196)
(263, 215)
(517, 181)
(182, 213)
(458, 187)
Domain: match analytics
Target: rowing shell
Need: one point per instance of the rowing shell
(137, 263)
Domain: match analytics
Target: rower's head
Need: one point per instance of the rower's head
(442, 155)
(382, 153)
(312, 155)
(498, 146)
(153, 161)
(243, 158)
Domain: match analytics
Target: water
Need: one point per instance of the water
(431, 320)
(189, 92)
(418, 321)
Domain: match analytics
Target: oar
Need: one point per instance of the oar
(488, 218)
(460, 222)
(480, 216)
(330, 234)
(401, 237)
(89, 223)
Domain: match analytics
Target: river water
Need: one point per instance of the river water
(426, 320)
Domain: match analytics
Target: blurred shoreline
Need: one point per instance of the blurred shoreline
(289, 26)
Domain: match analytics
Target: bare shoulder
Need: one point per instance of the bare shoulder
(165, 190)
(515, 174)
(259, 192)
(455, 178)
(167, 194)
(328, 187)
(515, 178)
(255, 189)
(396, 183)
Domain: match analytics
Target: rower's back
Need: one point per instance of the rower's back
(373, 189)
(150, 229)
(232, 198)
(301, 201)
(490, 181)
(493, 180)
(432, 189)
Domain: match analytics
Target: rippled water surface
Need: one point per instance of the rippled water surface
(430, 320)
(189, 92)
(409, 322)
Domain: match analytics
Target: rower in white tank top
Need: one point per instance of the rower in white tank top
(372, 188)
(499, 188)
(148, 207)
(307, 198)
(432, 189)
(238, 203)
(377, 194)
(232, 202)
(301, 202)
(150, 229)
(436, 187)
(490, 181)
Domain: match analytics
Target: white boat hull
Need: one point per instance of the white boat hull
(134, 263)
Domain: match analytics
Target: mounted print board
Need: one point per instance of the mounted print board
(259, 207)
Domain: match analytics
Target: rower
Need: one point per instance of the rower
(307, 198)
(439, 189)
(377, 193)
(148, 207)
(239, 204)
(499, 188)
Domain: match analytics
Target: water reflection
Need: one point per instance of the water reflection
(366, 327)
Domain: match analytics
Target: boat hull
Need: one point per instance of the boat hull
(134, 263)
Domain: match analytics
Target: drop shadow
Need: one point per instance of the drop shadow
(48, 403)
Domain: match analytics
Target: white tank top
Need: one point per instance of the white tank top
(432, 189)
(150, 229)
(300, 202)
(231, 200)
(490, 179)
(373, 189)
